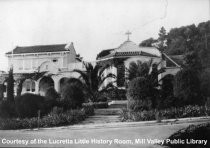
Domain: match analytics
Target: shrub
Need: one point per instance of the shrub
(73, 94)
(138, 94)
(28, 105)
(7, 109)
(10, 86)
(187, 87)
(52, 119)
(200, 132)
(138, 89)
(51, 94)
(88, 108)
(171, 113)
(100, 105)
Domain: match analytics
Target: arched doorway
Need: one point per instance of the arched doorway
(44, 84)
(28, 86)
(62, 83)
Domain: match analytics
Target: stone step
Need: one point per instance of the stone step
(101, 119)
(108, 111)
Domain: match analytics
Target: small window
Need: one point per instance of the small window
(46, 67)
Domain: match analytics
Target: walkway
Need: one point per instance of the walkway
(102, 116)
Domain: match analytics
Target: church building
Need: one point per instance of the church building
(120, 58)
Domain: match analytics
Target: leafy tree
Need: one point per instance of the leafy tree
(147, 42)
(142, 70)
(205, 83)
(93, 78)
(187, 87)
(138, 69)
(10, 86)
(162, 40)
(73, 94)
(138, 94)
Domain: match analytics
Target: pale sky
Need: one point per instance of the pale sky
(92, 25)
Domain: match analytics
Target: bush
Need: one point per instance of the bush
(73, 94)
(138, 94)
(28, 105)
(171, 113)
(51, 94)
(67, 118)
(7, 109)
(187, 87)
(138, 89)
(200, 132)
(100, 105)
(88, 108)
(137, 105)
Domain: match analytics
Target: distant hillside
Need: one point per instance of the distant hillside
(197, 36)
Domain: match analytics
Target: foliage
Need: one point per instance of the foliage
(33, 76)
(28, 105)
(100, 105)
(167, 98)
(52, 119)
(51, 94)
(10, 86)
(200, 132)
(205, 83)
(138, 89)
(148, 42)
(116, 94)
(51, 99)
(73, 94)
(170, 113)
(2, 89)
(138, 69)
(88, 108)
(187, 87)
(94, 78)
(161, 44)
(143, 88)
(7, 109)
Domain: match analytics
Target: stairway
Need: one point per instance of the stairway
(107, 115)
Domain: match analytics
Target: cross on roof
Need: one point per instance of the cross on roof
(128, 33)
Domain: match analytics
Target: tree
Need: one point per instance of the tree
(138, 69)
(93, 78)
(187, 87)
(205, 83)
(73, 94)
(161, 44)
(10, 86)
(149, 81)
(147, 42)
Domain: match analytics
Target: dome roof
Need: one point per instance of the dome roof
(129, 46)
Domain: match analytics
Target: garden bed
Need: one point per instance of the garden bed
(53, 119)
(189, 135)
(172, 113)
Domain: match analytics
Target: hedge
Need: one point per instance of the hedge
(51, 120)
(182, 112)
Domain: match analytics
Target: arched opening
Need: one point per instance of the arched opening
(44, 84)
(28, 86)
(62, 83)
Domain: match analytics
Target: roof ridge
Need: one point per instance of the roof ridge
(42, 45)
